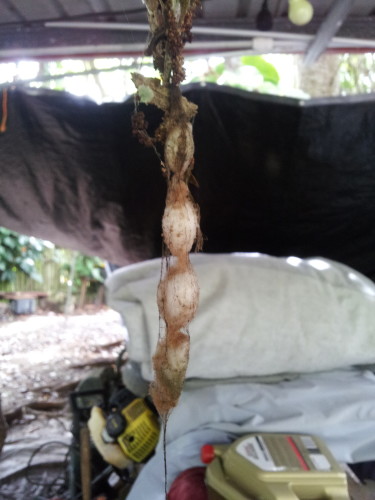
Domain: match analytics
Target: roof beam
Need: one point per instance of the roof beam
(13, 9)
(328, 28)
(115, 38)
(243, 8)
(98, 5)
(60, 8)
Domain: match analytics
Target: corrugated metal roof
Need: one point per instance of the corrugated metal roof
(19, 11)
(116, 27)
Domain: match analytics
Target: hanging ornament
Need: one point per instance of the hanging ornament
(264, 19)
(300, 12)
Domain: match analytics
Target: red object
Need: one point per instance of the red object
(207, 453)
(189, 484)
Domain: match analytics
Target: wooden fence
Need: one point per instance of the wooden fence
(55, 281)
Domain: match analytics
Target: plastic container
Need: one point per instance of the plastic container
(274, 467)
(23, 306)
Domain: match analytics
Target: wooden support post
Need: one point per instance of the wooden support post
(84, 441)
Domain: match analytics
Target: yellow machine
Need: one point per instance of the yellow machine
(274, 467)
(133, 424)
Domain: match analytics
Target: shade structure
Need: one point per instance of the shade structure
(275, 175)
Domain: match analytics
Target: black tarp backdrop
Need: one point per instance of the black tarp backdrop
(275, 176)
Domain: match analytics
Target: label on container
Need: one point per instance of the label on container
(255, 450)
(319, 460)
(284, 452)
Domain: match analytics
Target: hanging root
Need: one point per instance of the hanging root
(179, 148)
(180, 220)
(170, 363)
(178, 292)
(178, 295)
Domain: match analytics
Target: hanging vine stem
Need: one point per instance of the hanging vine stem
(178, 291)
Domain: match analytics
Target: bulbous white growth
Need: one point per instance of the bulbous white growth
(180, 297)
(178, 356)
(179, 148)
(180, 226)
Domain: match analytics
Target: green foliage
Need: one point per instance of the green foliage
(266, 69)
(85, 268)
(90, 268)
(215, 73)
(28, 263)
(233, 71)
(211, 75)
(357, 73)
(18, 254)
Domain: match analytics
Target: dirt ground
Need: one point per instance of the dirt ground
(43, 358)
(44, 355)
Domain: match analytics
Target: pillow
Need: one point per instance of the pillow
(257, 315)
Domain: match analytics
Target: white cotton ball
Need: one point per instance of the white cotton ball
(181, 293)
(180, 225)
(179, 148)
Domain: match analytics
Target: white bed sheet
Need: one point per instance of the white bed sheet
(338, 406)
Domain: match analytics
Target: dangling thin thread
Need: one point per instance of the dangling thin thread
(165, 455)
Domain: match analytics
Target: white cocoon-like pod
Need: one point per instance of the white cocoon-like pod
(181, 293)
(180, 226)
(179, 147)
(178, 355)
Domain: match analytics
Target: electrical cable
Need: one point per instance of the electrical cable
(58, 485)
(119, 361)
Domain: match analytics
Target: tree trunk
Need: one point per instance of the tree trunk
(82, 295)
(321, 78)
